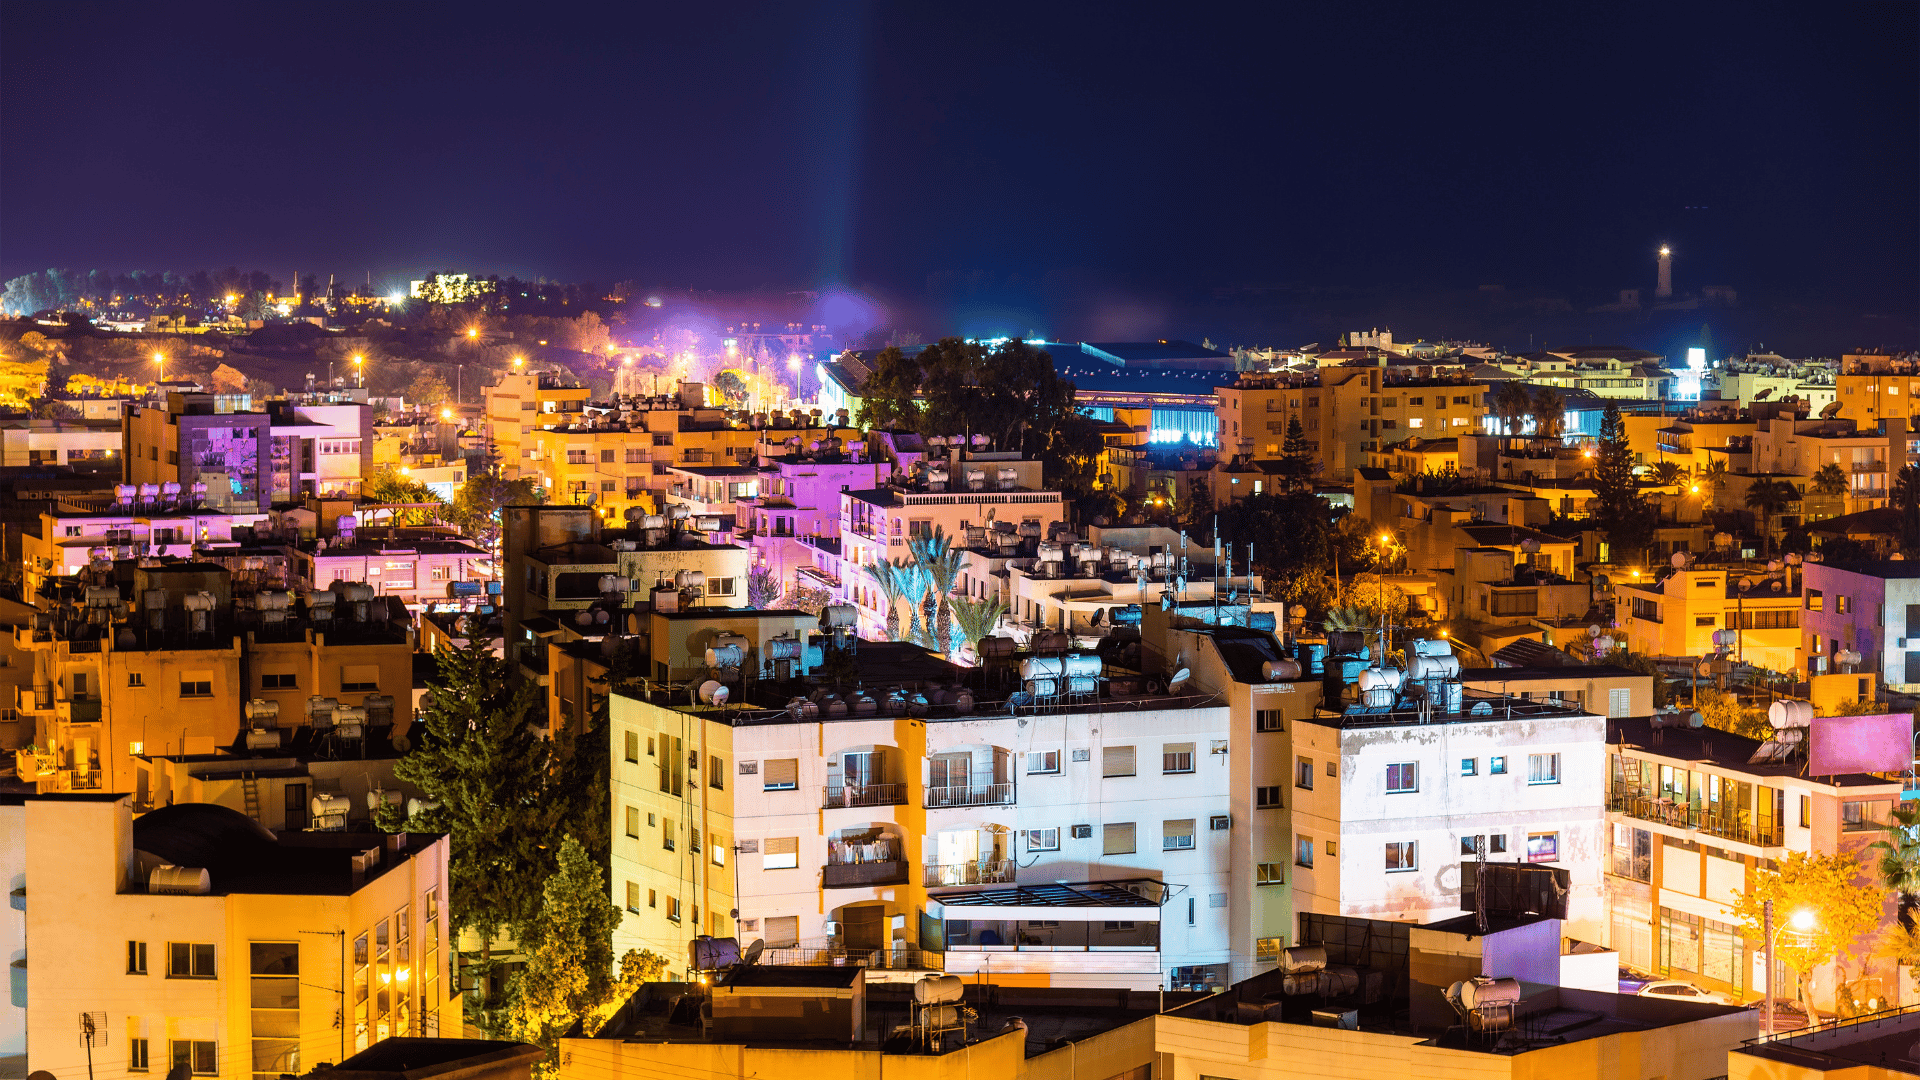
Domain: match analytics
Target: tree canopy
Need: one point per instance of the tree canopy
(1625, 520)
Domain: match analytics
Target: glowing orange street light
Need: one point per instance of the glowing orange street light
(473, 332)
(446, 414)
(518, 360)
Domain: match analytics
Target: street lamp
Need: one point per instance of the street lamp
(160, 365)
(1800, 922)
(359, 373)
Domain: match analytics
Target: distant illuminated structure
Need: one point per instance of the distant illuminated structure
(1664, 289)
(1689, 388)
(452, 289)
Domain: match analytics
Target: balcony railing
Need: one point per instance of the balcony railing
(1733, 825)
(980, 872)
(970, 795)
(836, 798)
(857, 874)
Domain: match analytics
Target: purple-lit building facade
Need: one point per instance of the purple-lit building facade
(1873, 610)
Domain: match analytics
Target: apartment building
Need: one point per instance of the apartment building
(1871, 609)
(970, 491)
(1347, 412)
(1679, 612)
(1104, 842)
(136, 525)
(173, 661)
(792, 521)
(1692, 818)
(249, 459)
(522, 403)
(194, 939)
(87, 445)
(1872, 387)
(1392, 806)
(1869, 455)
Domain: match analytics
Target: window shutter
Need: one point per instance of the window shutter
(1177, 833)
(782, 773)
(1118, 839)
(783, 931)
(1117, 761)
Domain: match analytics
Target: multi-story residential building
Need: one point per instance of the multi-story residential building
(414, 565)
(194, 939)
(1348, 412)
(977, 491)
(523, 402)
(169, 662)
(870, 828)
(248, 459)
(1872, 387)
(93, 445)
(1390, 806)
(1678, 613)
(1869, 455)
(1692, 819)
(1872, 609)
(71, 537)
(796, 507)
(559, 562)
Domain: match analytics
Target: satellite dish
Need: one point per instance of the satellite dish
(1098, 614)
(1179, 679)
(1593, 631)
(1166, 601)
(751, 955)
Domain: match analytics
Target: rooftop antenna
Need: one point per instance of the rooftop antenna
(1216, 570)
(93, 1032)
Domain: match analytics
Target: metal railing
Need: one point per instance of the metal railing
(970, 795)
(979, 872)
(835, 798)
(910, 958)
(1725, 825)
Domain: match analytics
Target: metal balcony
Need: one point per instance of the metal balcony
(854, 875)
(839, 798)
(979, 872)
(970, 795)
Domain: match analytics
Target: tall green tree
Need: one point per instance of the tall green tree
(1511, 403)
(388, 485)
(1627, 522)
(890, 398)
(1297, 461)
(475, 755)
(476, 506)
(569, 976)
(1904, 496)
(763, 587)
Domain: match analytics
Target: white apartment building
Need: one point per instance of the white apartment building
(1389, 807)
(194, 938)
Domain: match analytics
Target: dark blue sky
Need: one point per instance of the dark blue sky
(1041, 162)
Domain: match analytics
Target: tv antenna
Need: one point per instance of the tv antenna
(93, 1032)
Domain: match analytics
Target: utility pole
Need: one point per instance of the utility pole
(1766, 1019)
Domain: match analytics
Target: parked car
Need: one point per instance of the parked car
(1676, 990)
(1632, 981)
(1790, 1014)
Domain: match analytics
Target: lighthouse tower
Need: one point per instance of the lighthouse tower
(1664, 289)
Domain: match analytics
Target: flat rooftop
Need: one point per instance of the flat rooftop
(1053, 1016)
(1886, 1040)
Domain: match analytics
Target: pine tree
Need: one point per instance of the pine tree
(569, 948)
(475, 755)
(1297, 463)
(1627, 521)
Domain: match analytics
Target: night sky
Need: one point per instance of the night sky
(1072, 170)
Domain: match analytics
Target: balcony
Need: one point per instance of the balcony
(1732, 825)
(979, 872)
(854, 875)
(970, 795)
(839, 798)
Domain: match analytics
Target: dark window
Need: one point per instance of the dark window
(196, 1056)
(189, 961)
(136, 958)
(287, 681)
(195, 688)
(1267, 797)
(1269, 720)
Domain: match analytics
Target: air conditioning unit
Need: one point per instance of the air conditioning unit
(1083, 832)
(1083, 754)
(1220, 823)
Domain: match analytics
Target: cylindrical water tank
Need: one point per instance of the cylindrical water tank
(689, 579)
(323, 805)
(938, 989)
(1303, 959)
(416, 807)
(1790, 714)
(173, 880)
(726, 656)
(1280, 670)
(376, 798)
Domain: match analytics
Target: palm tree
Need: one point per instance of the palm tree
(1715, 474)
(913, 586)
(1510, 404)
(1899, 865)
(1829, 480)
(1549, 412)
(1904, 496)
(893, 588)
(1666, 472)
(940, 561)
(1766, 498)
(976, 619)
